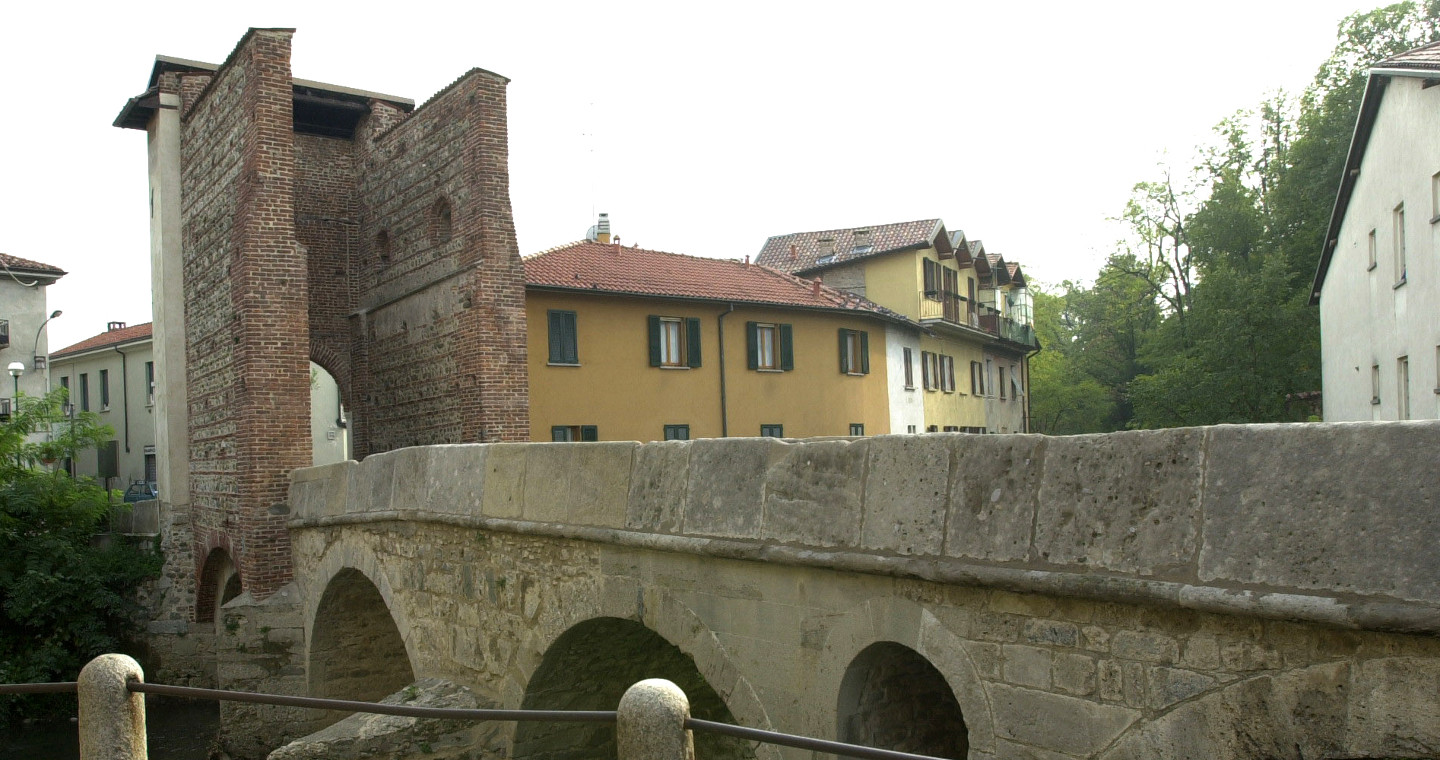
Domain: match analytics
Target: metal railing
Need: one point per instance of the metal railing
(93, 689)
(960, 310)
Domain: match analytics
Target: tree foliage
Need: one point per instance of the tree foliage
(1202, 315)
(64, 596)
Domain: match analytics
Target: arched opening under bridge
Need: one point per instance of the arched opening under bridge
(893, 698)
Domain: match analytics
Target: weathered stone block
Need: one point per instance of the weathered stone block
(907, 487)
(1140, 517)
(726, 488)
(1054, 632)
(457, 479)
(371, 483)
(600, 483)
(504, 480)
(412, 478)
(1051, 721)
(993, 495)
(1074, 674)
(813, 494)
(365, 735)
(1363, 500)
(1145, 646)
(1027, 666)
(658, 478)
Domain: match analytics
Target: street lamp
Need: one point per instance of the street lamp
(40, 361)
(16, 370)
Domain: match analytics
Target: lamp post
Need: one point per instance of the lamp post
(41, 362)
(16, 370)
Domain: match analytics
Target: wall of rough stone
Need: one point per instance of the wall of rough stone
(1183, 593)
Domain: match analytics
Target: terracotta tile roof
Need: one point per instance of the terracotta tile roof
(26, 265)
(1425, 57)
(105, 340)
(607, 268)
(811, 248)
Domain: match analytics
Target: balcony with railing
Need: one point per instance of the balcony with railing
(956, 309)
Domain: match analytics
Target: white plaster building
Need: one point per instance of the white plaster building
(113, 375)
(1378, 282)
(22, 315)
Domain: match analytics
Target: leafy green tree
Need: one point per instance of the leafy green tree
(64, 596)
(1064, 399)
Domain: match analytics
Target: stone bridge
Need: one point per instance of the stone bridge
(1236, 591)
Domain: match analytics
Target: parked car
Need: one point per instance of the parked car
(141, 490)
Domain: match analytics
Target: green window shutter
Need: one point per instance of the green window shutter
(692, 341)
(752, 344)
(654, 340)
(787, 355)
(572, 341)
(557, 339)
(589, 433)
(864, 352)
(844, 353)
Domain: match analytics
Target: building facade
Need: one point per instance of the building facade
(1378, 281)
(970, 369)
(633, 344)
(113, 375)
(23, 314)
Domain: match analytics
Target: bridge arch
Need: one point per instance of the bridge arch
(589, 667)
(219, 583)
(893, 698)
(887, 635)
(355, 648)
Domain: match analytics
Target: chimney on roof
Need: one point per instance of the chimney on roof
(794, 252)
(602, 229)
(113, 326)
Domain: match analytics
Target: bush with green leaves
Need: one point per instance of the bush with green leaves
(65, 595)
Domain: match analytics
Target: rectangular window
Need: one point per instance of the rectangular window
(1370, 258)
(854, 352)
(909, 359)
(769, 346)
(1015, 381)
(677, 432)
(84, 392)
(1399, 217)
(989, 378)
(952, 428)
(674, 342)
(567, 433)
(65, 382)
(857, 429)
(975, 378)
(564, 345)
(1402, 388)
(104, 390)
(910, 429)
(1375, 383)
(926, 378)
(772, 431)
(150, 383)
(932, 279)
(1002, 383)
(947, 373)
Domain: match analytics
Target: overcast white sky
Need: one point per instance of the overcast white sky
(701, 129)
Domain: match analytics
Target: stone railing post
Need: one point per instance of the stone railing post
(650, 723)
(112, 719)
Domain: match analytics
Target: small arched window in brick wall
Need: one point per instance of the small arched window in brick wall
(441, 224)
(382, 248)
(893, 698)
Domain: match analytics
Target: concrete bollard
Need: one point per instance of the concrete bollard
(112, 719)
(650, 723)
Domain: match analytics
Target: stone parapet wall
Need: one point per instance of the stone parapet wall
(1323, 523)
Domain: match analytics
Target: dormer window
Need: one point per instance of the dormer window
(826, 259)
(859, 249)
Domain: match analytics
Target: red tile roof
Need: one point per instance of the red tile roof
(809, 248)
(26, 265)
(608, 268)
(105, 340)
(1426, 57)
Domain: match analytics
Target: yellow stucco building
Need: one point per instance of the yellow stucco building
(633, 344)
(969, 369)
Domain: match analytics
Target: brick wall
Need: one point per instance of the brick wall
(390, 260)
(247, 344)
(442, 337)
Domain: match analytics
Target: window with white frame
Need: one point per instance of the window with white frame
(674, 341)
(1399, 243)
(1402, 388)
